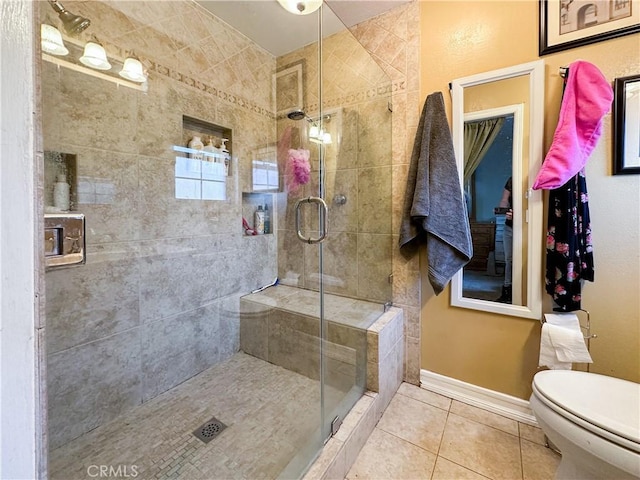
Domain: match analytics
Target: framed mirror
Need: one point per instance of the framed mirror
(497, 136)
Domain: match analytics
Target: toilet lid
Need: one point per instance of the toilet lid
(609, 403)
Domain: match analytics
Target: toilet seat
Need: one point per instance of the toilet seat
(612, 410)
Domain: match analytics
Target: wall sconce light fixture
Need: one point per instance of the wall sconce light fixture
(95, 57)
(133, 70)
(51, 40)
(91, 59)
(317, 135)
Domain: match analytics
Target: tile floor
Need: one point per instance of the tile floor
(154, 440)
(423, 435)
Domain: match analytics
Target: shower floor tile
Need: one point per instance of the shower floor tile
(270, 413)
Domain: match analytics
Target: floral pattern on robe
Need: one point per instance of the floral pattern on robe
(569, 247)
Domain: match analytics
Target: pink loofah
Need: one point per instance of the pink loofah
(298, 169)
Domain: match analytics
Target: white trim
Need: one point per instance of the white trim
(22, 428)
(496, 402)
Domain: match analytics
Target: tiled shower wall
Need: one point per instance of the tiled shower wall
(393, 40)
(158, 298)
(355, 94)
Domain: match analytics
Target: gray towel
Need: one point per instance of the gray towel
(434, 211)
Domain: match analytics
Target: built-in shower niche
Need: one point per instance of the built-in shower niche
(60, 167)
(251, 201)
(203, 161)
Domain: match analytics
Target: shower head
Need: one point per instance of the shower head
(297, 114)
(73, 24)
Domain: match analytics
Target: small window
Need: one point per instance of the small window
(265, 170)
(198, 179)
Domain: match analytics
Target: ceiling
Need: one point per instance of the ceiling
(279, 32)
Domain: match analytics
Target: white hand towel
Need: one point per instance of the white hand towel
(562, 342)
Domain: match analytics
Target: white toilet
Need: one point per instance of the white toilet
(594, 420)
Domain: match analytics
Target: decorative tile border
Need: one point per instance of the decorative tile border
(359, 97)
(345, 100)
(204, 87)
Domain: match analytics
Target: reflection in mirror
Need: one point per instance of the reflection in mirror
(497, 131)
(493, 140)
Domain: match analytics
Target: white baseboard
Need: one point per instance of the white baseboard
(496, 402)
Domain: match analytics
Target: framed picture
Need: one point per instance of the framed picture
(626, 125)
(566, 24)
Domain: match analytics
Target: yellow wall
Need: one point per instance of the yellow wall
(500, 352)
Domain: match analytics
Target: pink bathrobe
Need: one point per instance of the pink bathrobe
(587, 99)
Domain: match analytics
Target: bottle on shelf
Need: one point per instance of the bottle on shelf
(225, 154)
(196, 144)
(209, 148)
(258, 222)
(61, 193)
(267, 219)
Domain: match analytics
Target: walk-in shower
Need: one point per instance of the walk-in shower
(161, 361)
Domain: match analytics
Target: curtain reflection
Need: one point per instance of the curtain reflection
(478, 137)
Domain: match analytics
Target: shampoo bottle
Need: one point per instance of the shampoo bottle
(258, 222)
(210, 149)
(267, 219)
(196, 144)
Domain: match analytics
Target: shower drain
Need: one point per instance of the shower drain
(209, 430)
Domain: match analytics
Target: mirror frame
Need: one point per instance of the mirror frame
(534, 206)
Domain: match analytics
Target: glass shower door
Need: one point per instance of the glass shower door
(335, 239)
(355, 171)
(334, 234)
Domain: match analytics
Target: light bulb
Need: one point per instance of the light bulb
(133, 70)
(95, 57)
(51, 40)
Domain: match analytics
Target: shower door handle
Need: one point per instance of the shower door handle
(324, 211)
